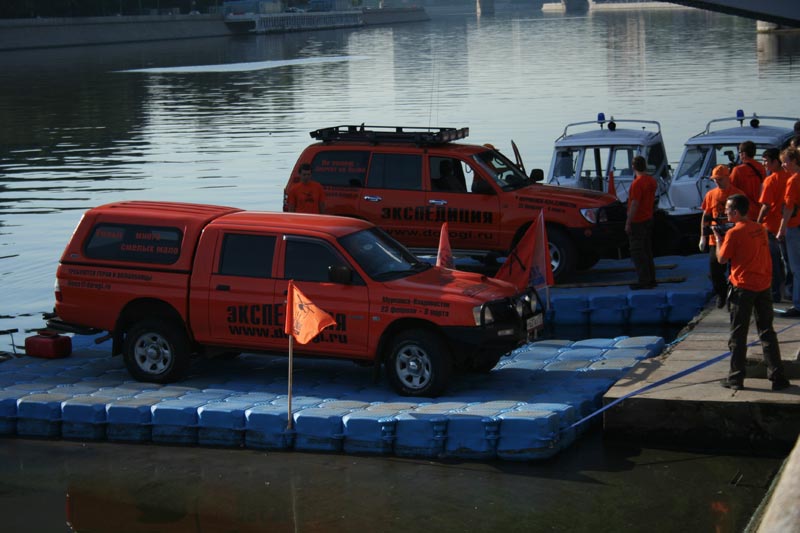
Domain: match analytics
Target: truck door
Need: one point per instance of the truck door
(460, 196)
(393, 198)
(307, 260)
(242, 308)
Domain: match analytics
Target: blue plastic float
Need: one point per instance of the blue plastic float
(523, 410)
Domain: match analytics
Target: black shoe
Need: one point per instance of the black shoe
(792, 312)
(721, 301)
(734, 385)
(780, 384)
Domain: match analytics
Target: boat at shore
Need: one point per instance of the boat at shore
(718, 144)
(597, 155)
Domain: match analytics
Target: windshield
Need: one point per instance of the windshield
(505, 173)
(381, 257)
(692, 163)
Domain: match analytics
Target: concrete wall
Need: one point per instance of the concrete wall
(44, 33)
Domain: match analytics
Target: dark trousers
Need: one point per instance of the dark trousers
(641, 247)
(778, 268)
(743, 304)
(719, 273)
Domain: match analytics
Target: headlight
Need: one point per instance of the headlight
(523, 305)
(590, 215)
(487, 315)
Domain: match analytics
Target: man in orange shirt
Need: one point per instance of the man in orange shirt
(639, 225)
(790, 225)
(714, 213)
(748, 175)
(746, 247)
(771, 200)
(307, 196)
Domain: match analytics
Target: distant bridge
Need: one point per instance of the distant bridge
(782, 12)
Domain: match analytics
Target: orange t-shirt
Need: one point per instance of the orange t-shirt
(643, 190)
(772, 194)
(747, 178)
(747, 246)
(306, 197)
(792, 199)
(714, 205)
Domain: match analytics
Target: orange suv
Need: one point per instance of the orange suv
(409, 181)
(171, 280)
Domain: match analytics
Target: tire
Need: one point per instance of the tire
(418, 363)
(156, 351)
(563, 255)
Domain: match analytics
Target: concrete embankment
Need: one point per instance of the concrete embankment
(20, 34)
(17, 34)
(694, 410)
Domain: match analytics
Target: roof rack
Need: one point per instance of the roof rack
(754, 121)
(612, 125)
(390, 134)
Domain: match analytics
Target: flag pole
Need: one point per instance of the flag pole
(290, 420)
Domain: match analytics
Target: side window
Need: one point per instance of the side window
(247, 255)
(396, 171)
(309, 259)
(140, 244)
(340, 168)
(446, 175)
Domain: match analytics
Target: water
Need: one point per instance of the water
(84, 126)
(223, 120)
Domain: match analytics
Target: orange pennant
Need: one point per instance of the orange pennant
(445, 256)
(528, 264)
(612, 189)
(304, 320)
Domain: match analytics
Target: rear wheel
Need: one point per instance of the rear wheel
(156, 351)
(419, 363)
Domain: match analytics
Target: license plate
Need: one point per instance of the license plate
(535, 322)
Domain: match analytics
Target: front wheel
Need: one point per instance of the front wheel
(563, 255)
(156, 351)
(419, 363)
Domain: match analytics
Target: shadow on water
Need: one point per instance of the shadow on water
(594, 486)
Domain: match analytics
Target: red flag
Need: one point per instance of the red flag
(612, 189)
(528, 264)
(304, 320)
(445, 256)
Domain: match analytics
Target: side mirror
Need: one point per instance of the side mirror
(537, 175)
(341, 274)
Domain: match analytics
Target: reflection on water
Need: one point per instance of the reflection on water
(75, 132)
(242, 67)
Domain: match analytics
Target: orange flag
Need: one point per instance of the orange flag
(612, 189)
(304, 320)
(445, 256)
(528, 264)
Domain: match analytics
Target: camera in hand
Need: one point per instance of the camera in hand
(722, 225)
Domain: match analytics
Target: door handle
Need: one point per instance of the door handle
(223, 287)
(373, 198)
(437, 202)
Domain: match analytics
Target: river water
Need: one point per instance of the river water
(223, 120)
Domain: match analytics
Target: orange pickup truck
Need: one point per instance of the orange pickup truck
(409, 181)
(169, 281)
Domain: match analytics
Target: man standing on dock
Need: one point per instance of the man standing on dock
(306, 196)
(713, 213)
(639, 225)
(746, 247)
